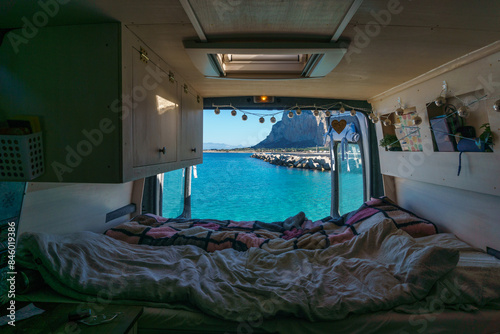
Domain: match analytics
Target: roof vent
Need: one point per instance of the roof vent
(265, 60)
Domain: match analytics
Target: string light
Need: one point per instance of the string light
(387, 122)
(496, 105)
(417, 120)
(342, 109)
(291, 112)
(374, 119)
(463, 112)
(441, 99)
(400, 110)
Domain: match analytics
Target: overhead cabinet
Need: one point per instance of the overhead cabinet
(110, 109)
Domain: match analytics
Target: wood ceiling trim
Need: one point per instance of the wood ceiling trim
(347, 18)
(194, 20)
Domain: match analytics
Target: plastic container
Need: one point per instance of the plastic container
(21, 157)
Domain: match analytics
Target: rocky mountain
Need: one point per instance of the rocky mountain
(305, 130)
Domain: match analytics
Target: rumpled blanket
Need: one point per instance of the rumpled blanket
(294, 233)
(381, 268)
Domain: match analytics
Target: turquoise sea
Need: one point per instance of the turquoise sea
(237, 187)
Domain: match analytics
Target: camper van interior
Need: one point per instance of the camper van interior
(99, 99)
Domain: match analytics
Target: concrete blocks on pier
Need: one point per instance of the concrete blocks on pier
(295, 161)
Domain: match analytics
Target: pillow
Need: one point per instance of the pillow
(402, 218)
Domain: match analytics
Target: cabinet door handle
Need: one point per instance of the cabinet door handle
(193, 150)
(163, 150)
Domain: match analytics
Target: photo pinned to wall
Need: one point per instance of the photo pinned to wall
(407, 133)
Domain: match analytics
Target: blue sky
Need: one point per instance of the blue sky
(232, 130)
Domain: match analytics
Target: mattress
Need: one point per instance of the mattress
(434, 314)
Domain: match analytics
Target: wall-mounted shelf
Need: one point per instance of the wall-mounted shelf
(451, 132)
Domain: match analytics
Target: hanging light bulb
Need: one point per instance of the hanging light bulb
(342, 109)
(273, 120)
(233, 112)
(440, 101)
(417, 120)
(244, 117)
(315, 112)
(496, 105)
(374, 119)
(290, 114)
(370, 115)
(328, 113)
(298, 112)
(353, 112)
(400, 111)
(217, 111)
(387, 122)
(262, 120)
(463, 112)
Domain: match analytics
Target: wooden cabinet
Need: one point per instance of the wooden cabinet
(155, 119)
(191, 127)
(110, 109)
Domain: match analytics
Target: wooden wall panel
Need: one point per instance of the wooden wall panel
(471, 216)
(427, 182)
(64, 208)
(479, 170)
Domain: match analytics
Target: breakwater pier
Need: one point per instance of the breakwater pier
(321, 163)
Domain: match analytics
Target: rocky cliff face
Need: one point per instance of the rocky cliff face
(305, 130)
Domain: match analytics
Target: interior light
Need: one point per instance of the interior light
(263, 99)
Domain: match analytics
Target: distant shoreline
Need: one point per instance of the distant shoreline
(309, 154)
(218, 151)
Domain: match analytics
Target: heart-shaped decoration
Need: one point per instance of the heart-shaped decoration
(339, 126)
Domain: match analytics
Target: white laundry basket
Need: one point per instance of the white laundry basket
(21, 157)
